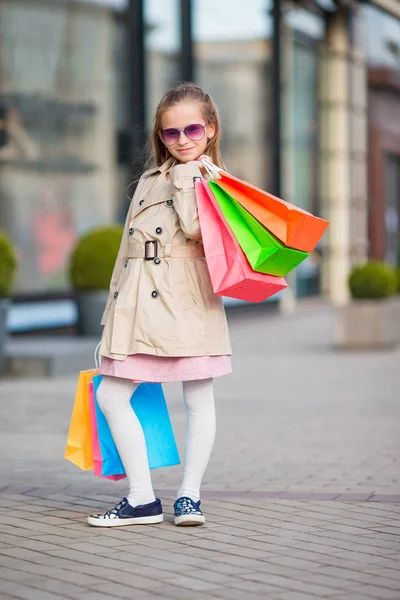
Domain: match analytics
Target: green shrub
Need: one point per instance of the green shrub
(93, 258)
(398, 279)
(373, 280)
(8, 264)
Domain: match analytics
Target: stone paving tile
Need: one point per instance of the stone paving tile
(294, 585)
(232, 594)
(389, 574)
(27, 592)
(40, 583)
(291, 595)
(302, 496)
(303, 559)
(117, 590)
(114, 590)
(352, 596)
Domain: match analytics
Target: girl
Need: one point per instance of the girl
(162, 321)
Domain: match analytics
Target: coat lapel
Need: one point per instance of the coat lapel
(154, 190)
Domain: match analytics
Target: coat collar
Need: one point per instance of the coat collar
(161, 169)
(153, 190)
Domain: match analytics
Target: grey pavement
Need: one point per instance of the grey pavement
(302, 496)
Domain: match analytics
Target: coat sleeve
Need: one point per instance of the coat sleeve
(184, 198)
(119, 265)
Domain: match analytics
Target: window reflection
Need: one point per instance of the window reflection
(233, 54)
(382, 49)
(56, 176)
(162, 43)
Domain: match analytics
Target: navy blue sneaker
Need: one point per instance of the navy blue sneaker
(125, 514)
(187, 512)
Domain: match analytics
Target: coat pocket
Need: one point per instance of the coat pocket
(183, 290)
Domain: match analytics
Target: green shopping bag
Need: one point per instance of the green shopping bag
(265, 253)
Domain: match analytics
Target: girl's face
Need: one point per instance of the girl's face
(180, 116)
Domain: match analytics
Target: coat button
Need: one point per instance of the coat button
(141, 202)
(169, 203)
(159, 230)
(154, 294)
(157, 260)
(131, 231)
(116, 295)
(126, 263)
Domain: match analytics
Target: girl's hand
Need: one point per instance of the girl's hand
(199, 164)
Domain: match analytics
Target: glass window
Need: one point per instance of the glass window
(302, 31)
(233, 60)
(305, 22)
(382, 38)
(56, 159)
(162, 45)
(382, 49)
(392, 213)
(304, 102)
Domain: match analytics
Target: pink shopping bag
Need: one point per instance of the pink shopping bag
(230, 272)
(97, 458)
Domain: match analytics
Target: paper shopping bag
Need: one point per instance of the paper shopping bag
(97, 458)
(263, 250)
(230, 273)
(79, 443)
(292, 225)
(149, 405)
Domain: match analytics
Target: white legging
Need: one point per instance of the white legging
(114, 400)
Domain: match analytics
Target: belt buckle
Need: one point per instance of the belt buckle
(155, 250)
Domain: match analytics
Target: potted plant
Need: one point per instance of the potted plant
(370, 319)
(8, 264)
(90, 269)
(397, 300)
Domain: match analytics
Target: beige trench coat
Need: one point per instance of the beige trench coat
(165, 306)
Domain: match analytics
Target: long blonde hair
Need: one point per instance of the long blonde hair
(183, 93)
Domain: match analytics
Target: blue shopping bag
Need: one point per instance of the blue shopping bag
(149, 404)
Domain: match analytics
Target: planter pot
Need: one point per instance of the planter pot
(368, 324)
(90, 307)
(4, 304)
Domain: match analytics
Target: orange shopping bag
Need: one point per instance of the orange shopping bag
(79, 449)
(293, 226)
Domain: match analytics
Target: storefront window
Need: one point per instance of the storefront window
(233, 62)
(302, 31)
(382, 50)
(162, 44)
(56, 156)
(381, 39)
(392, 213)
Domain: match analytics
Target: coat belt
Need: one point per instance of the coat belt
(152, 249)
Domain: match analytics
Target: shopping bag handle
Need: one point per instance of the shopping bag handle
(97, 356)
(212, 170)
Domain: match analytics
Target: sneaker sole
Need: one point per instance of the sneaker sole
(189, 520)
(123, 522)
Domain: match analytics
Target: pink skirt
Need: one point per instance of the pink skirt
(163, 369)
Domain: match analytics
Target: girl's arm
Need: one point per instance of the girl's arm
(119, 265)
(185, 199)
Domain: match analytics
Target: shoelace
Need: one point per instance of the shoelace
(111, 514)
(187, 506)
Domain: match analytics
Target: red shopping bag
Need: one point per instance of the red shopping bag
(230, 273)
(295, 227)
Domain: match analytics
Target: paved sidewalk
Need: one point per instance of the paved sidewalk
(302, 496)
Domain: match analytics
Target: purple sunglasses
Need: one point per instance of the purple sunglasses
(195, 132)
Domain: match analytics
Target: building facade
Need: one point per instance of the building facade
(80, 81)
